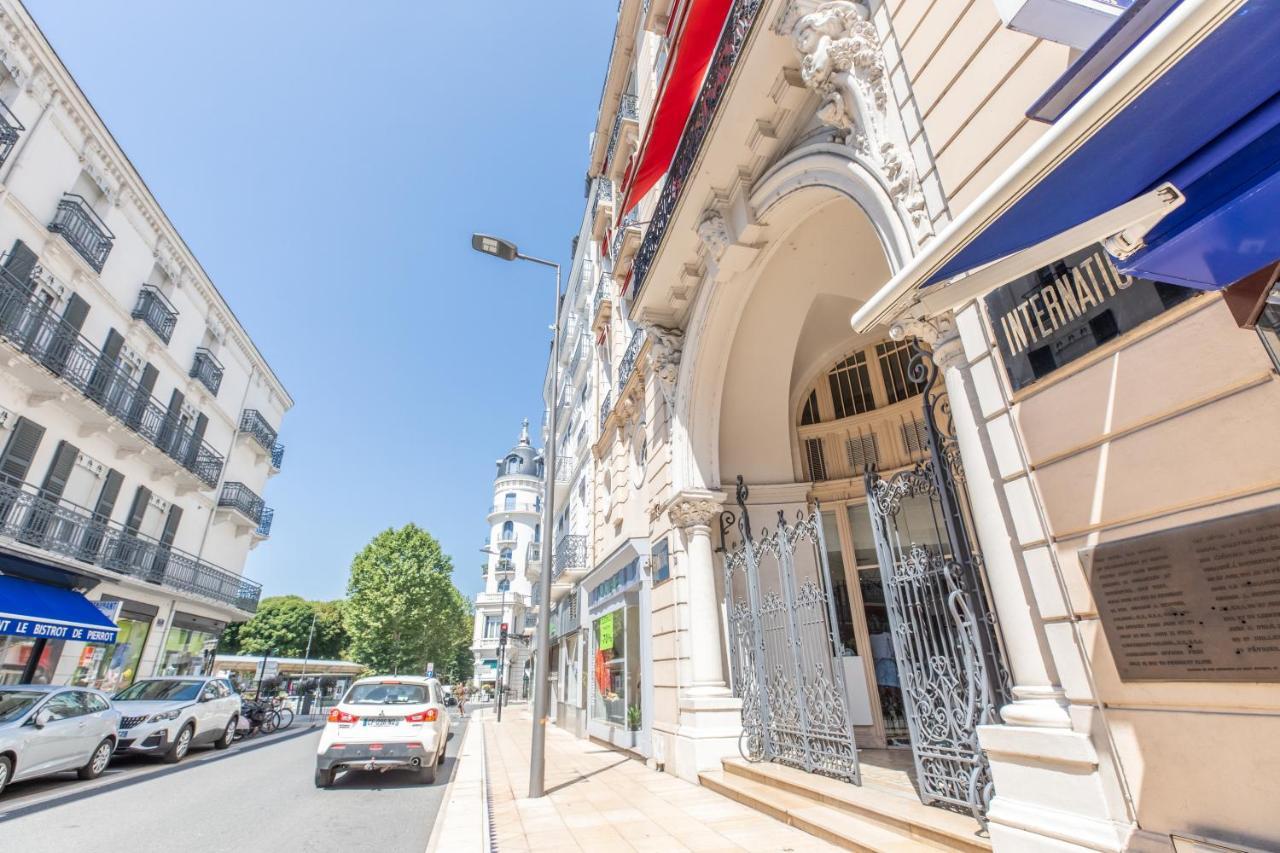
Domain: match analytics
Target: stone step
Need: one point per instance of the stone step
(906, 816)
(841, 828)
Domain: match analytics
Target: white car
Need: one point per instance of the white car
(167, 716)
(385, 723)
(47, 729)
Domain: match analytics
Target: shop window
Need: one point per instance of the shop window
(895, 368)
(839, 586)
(1269, 328)
(114, 667)
(188, 650)
(15, 654)
(850, 383)
(616, 686)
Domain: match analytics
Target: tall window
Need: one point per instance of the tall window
(537, 533)
(895, 361)
(513, 464)
(508, 531)
(509, 501)
(504, 585)
(851, 386)
(491, 624)
(506, 554)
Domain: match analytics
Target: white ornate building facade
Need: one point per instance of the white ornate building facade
(898, 366)
(138, 421)
(512, 546)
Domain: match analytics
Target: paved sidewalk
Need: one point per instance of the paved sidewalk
(599, 799)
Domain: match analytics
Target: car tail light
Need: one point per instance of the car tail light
(428, 716)
(337, 715)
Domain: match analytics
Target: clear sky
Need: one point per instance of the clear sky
(327, 163)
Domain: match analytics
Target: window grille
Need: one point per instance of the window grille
(895, 361)
(815, 461)
(914, 437)
(851, 386)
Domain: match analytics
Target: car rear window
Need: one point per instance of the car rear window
(387, 693)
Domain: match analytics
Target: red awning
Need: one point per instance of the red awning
(693, 45)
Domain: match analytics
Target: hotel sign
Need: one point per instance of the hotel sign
(1058, 313)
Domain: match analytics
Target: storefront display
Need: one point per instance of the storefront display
(191, 645)
(114, 667)
(15, 653)
(615, 693)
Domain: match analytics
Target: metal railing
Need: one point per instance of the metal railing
(571, 553)
(10, 128)
(156, 311)
(606, 406)
(208, 370)
(504, 566)
(48, 340)
(604, 290)
(628, 363)
(629, 223)
(72, 531)
(627, 111)
(264, 526)
(253, 423)
(516, 506)
(80, 226)
(603, 195)
(277, 455)
(244, 500)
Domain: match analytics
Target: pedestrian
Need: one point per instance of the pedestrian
(462, 700)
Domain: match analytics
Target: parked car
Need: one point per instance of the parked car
(167, 716)
(385, 723)
(48, 729)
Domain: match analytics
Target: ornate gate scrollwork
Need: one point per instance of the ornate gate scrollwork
(783, 647)
(944, 631)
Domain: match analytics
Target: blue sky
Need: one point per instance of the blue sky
(327, 163)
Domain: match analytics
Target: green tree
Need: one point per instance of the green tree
(281, 624)
(402, 609)
(331, 640)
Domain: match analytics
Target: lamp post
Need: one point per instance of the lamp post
(507, 251)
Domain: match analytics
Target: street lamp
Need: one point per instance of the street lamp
(507, 251)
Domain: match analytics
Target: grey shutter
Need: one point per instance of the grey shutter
(169, 433)
(66, 334)
(107, 497)
(20, 450)
(197, 438)
(106, 367)
(142, 397)
(55, 480)
(140, 500)
(21, 261)
(171, 524)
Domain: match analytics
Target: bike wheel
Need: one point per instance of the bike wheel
(286, 717)
(270, 720)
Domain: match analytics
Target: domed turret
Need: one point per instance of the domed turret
(522, 460)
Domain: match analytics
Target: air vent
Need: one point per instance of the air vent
(815, 460)
(861, 451)
(915, 438)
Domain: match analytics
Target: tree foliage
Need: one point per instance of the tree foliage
(282, 625)
(402, 609)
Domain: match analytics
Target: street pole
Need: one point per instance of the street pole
(507, 251)
(502, 648)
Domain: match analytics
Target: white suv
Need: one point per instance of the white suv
(385, 723)
(167, 716)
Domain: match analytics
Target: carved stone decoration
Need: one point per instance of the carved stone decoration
(167, 259)
(686, 512)
(841, 60)
(665, 346)
(713, 231)
(939, 333)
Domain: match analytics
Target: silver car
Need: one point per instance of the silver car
(48, 729)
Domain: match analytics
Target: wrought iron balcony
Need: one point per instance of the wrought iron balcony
(208, 370)
(628, 364)
(264, 526)
(255, 425)
(571, 553)
(503, 567)
(606, 406)
(602, 304)
(533, 554)
(277, 456)
(627, 112)
(156, 311)
(73, 532)
(243, 500)
(10, 129)
(744, 16)
(516, 506)
(58, 347)
(628, 227)
(602, 202)
(81, 227)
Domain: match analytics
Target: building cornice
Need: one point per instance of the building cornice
(24, 49)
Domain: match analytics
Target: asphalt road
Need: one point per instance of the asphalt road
(257, 795)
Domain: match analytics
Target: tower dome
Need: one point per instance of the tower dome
(522, 460)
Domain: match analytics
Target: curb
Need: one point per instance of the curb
(477, 836)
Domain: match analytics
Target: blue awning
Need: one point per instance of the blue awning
(29, 609)
(1208, 125)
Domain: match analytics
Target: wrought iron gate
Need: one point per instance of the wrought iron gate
(944, 633)
(783, 646)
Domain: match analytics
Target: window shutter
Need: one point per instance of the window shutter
(140, 500)
(143, 397)
(55, 481)
(197, 437)
(21, 262)
(817, 462)
(171, 524)
(169, 432)
(914, 438)
(861, 451)
(106, 366)
(107, 497)
(66, 334)
(20, 450)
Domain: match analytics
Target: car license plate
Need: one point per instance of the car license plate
(379, 721)
(124, 733)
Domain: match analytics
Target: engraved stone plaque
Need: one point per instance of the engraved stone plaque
(1193, 603)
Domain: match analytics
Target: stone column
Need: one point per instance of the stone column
(693, 514)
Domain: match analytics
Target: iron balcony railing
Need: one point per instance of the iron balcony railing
(627, 111)
(244, 500)
(253, 423)
(603, 195)
(604, 290)
(156, 311)
(516, 506)
(571, 553)
(208, 370)
(28, 324)
(628, 223)
(606, 406)
(80, 226)
(504, 566)
(63, 528)
(264, 526)
(10, 129)
(628, 364)
(277, 456)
